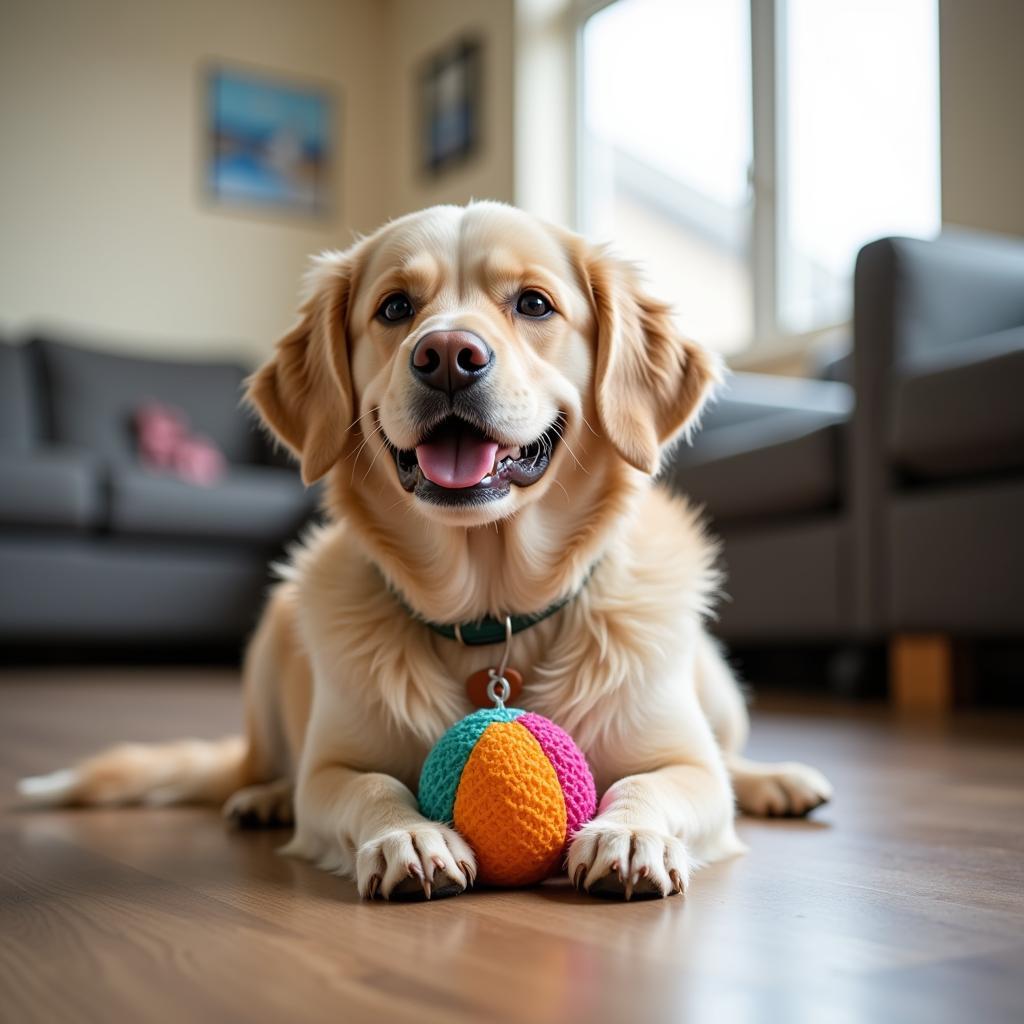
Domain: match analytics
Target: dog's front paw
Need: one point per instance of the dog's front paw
(618, 862)
(427, 860)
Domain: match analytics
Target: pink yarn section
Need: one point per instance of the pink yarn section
(570, 766)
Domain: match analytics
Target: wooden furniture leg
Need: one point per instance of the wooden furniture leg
(921, 672)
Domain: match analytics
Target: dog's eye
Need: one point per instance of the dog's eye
(395, 308)
(533, 304)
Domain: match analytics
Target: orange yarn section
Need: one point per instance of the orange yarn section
(510, 807)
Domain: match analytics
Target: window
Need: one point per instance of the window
(667, 151)
(859, 143)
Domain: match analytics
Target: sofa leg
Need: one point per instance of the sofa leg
(922, 673)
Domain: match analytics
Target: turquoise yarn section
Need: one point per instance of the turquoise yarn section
(442, 770)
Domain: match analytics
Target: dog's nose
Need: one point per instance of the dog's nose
(451, 360)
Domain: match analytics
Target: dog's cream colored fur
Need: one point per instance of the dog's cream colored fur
(346, 692)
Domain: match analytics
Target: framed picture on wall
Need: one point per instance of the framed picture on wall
(450, 84)
(269, 142)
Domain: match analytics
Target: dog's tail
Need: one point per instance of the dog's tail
(157, 774)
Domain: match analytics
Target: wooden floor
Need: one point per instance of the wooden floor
(903, 901)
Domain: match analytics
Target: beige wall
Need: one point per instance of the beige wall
(104, 227)
(982, 73)
(415, 29)
(102, 224)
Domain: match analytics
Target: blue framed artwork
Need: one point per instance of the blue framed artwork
(269, 142)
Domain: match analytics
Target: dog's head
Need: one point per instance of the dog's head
(475, 355)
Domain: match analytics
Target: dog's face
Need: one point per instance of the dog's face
(469, 353)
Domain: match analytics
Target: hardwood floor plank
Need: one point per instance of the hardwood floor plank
(903, 900)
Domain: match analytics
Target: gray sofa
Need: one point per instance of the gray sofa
(899, 512)
(768, 467)
(843, 522)
(95, 549)
(939, 436)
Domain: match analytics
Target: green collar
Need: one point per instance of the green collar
(489, 630)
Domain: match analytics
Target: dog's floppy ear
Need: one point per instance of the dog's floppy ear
(650, 383)
(304, 391)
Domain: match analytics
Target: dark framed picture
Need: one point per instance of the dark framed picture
(269, 142)
(450, 106)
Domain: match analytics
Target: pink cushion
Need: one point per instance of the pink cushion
(166, 446)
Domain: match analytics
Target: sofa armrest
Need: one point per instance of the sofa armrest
(912, 297)
(759, 411)
(755, 396)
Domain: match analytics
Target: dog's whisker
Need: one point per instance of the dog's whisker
(393, 505)
(561, 437)
(369, 468)
(543, 449)
(366, 437)
(355, 462)
(369, 412)
(351, 478)
(366, 440)
(355, 455)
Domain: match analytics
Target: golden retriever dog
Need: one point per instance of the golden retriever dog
(489, 398)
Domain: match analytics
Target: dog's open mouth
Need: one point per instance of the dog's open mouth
(456, 463)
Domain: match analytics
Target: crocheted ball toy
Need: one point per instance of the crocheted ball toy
(515, 786)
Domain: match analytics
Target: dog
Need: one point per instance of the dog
(489, 398)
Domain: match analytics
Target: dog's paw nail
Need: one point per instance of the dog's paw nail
(469, 872)
(425, 882)
(677, 881)
(577, 878)
(414, 869)
(373, 887)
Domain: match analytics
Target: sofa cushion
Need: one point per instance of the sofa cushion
(959, 411)
(954, 560)
(94, 590)
(18, 398)
(783, 580)
(92, 398)
(779, 464)
(50, 487)
(252, 504)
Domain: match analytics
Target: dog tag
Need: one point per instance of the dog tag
(476, 687)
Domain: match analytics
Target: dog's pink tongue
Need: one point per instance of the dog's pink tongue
(456, 458)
